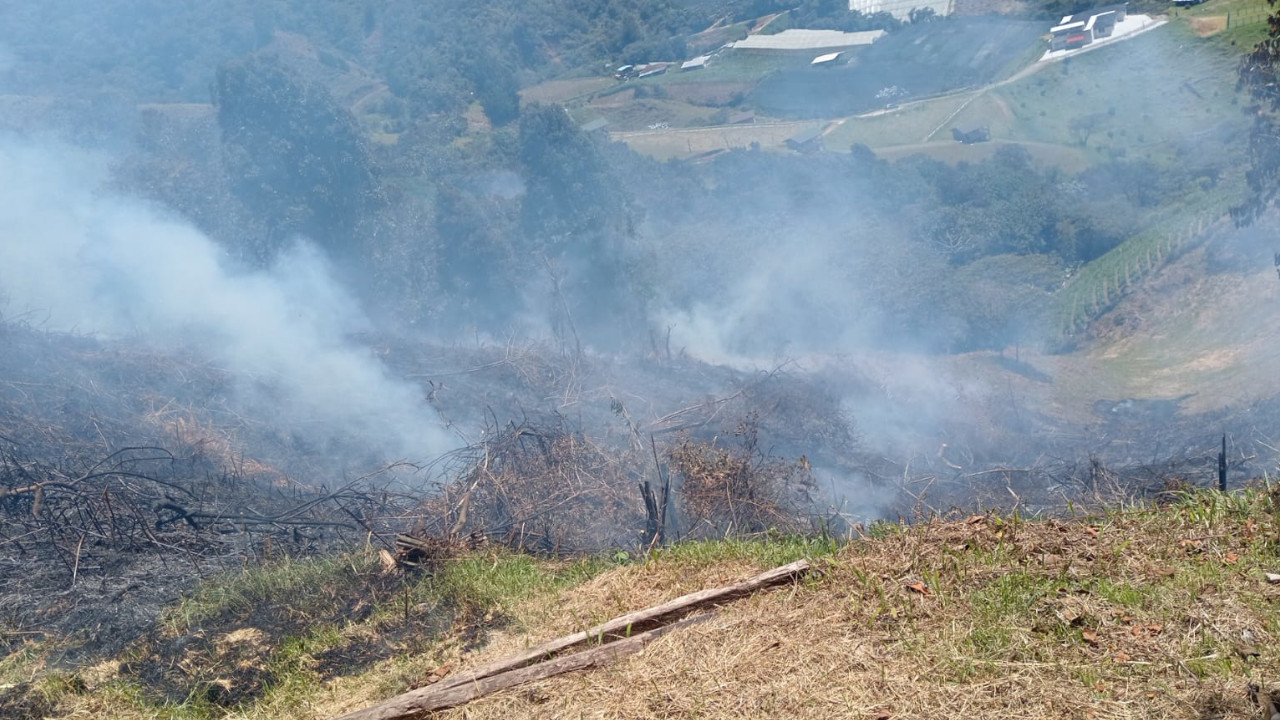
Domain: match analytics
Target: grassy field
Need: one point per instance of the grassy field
(1060, 156)
(626, 114)
(1140, 97)
(1233, 24)
(1143, 97)
(1135, 613)
(913, 62)
(696, 141)
(1167, 95)
(564, 90)
(1098, 284)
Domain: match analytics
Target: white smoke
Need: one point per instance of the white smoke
(82, 258)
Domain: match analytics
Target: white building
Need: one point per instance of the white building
(806, 41)
(901, 9)
(697, 63)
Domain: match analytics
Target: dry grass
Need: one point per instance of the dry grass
(1142, 614)
(1153, 612)
(1206, 26)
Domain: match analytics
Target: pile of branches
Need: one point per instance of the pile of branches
(100, 547)
(800, 415)
(145, 498)
(542, 486)
(539, 486)
(728, 489)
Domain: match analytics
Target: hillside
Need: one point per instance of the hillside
(1143, 612)
(346, 346)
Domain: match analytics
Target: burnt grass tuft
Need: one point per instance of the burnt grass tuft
(234, 638)
(24, 702)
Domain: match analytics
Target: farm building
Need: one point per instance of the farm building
(697, 63)
(826, 60)
(594, 126)
(746, 117)
(901, 9)
(652, 69)
(798, 41)
(1076, 31)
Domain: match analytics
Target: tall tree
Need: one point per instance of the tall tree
(580, 220)
(297, 159)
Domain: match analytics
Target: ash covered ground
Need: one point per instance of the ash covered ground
(129, 472)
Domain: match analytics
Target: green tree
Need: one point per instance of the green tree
(495, 85)
(297, 159)
(580, 222)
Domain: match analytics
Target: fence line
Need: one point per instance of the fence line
(1101, 283)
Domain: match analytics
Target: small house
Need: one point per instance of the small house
(1076, 31)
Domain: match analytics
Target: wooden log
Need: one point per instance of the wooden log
(610, 634)
(638, 621)
(438, 697)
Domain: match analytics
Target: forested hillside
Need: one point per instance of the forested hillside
(393, 136)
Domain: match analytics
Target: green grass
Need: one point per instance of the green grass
(1010, 596)
(1243, 22)
(772, 551)
(908, 125)
(496, 583)
(1098, 284)
(735, 67)
(1142, 94)
(286, 580)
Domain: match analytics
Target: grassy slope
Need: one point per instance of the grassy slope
(1139, 613)
(1147, 93)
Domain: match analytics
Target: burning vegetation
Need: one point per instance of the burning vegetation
(364, 346)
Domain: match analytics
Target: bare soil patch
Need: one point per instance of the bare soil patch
(1209, 25)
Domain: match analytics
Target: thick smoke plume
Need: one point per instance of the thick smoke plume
(76, 256)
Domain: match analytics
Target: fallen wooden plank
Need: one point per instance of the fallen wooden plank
(638, 621)
(436, 697)
(621, 636)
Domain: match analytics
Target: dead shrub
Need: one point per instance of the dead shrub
(738, 489)
(540, 486)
